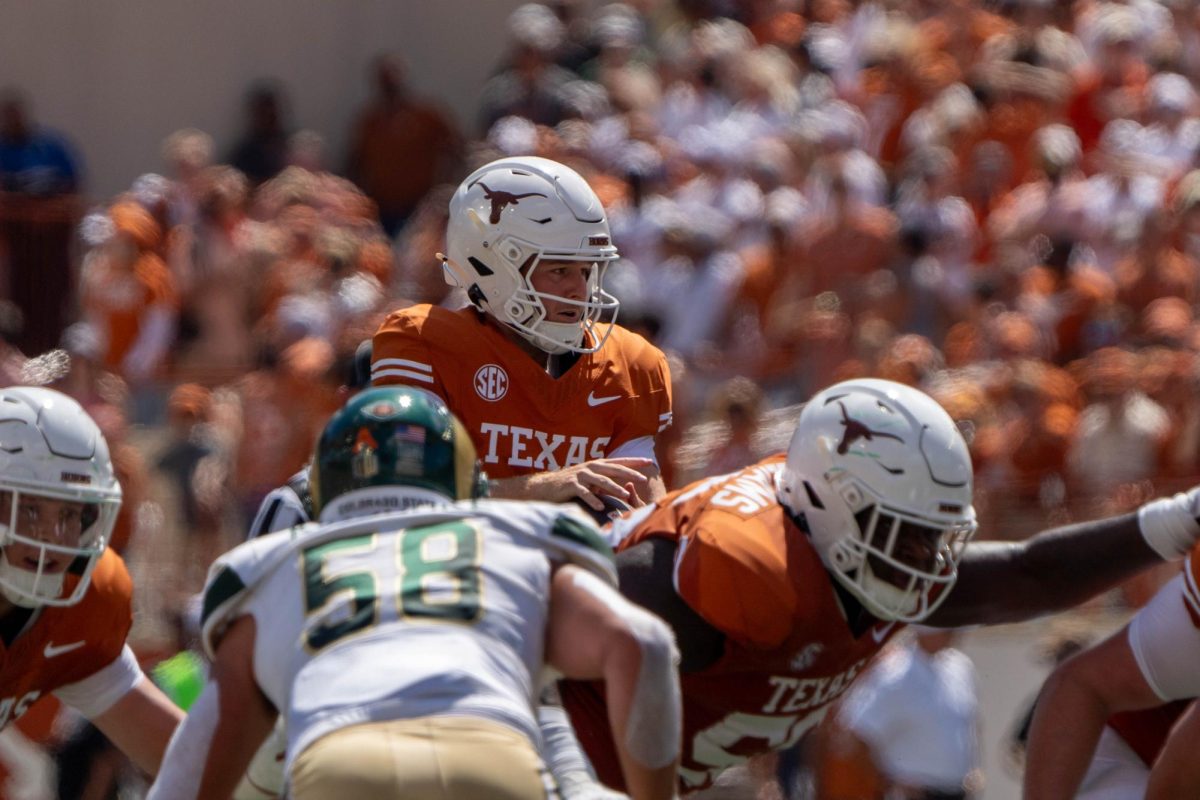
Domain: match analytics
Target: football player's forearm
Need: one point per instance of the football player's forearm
(1001, 582)
(140, 724)
(647, 742)
(246, 716)
(595, 633)
(1066, 726)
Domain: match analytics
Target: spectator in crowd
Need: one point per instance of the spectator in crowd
(129, 296)
(1121, 432)
(530, 85)
(187, 153)
(194, 465)
(39, 184)
(33, 160)
(261, 152)
(401, 145)
(738, 407)
(910, 726)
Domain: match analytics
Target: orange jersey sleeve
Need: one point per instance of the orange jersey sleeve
(68, 644)
(719, 560)
(401, 356)
(521, 419)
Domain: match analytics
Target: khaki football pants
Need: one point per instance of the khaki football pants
(429, 758)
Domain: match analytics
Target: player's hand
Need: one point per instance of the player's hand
(1171, 525)
(591, 481)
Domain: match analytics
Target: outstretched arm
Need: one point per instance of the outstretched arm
(1001, 582)
(1076, 701)
(595, 633)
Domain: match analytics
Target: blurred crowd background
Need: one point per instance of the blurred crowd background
(994, 200)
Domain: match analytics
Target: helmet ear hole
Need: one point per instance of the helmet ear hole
(812, 496)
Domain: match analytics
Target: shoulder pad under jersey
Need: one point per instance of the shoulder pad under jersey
(233, 576)
(564, 531)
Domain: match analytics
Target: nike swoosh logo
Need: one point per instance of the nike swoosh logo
(878, 633)
(53, 650)
(594, 401)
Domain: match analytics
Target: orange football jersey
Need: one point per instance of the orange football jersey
(520, 418)
(68, 644)
(751, 573)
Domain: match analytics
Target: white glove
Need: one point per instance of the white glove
(1170, 524)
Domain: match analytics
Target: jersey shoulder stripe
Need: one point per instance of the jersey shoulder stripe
(1191, 588)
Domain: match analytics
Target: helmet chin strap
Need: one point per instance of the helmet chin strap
(18, 585)
(551, 343)
(890, 599)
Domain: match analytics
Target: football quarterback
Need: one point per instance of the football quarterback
(561, 403)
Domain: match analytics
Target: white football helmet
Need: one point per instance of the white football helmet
(883, 479)
(51, 448)
(505, 218)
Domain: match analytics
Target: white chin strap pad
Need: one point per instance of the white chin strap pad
(20, 586)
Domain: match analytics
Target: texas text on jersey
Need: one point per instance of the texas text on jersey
(789, 651)
(66, 644)
(522, 420)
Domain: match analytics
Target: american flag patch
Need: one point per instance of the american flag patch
(409, 433)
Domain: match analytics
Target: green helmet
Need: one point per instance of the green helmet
(394, 436)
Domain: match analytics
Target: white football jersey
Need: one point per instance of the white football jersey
(439, 610)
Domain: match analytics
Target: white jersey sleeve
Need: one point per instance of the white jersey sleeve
(232, 577)
(1166, 643)
(98, 692)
